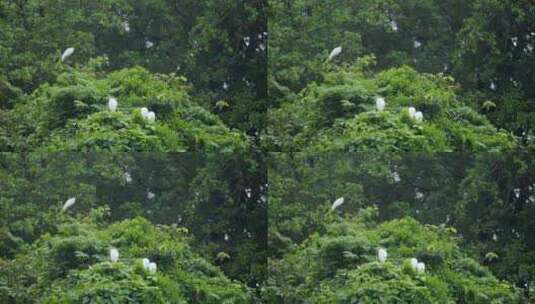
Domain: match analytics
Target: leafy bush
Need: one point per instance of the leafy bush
(72, 115)
(338, 114)
(72, 266)
(340, 266)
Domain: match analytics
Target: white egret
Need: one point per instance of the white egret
(150, 195)
(114, 255)
(420, 267)
(382, 255)
(226, 237)
(493, 86)
(337, 203)
(144, 112)
(247, 40)
(417, 44)
(335, 52)
(127, 177)
(494, 237)
(112, 104)
(419, 116)
(225, 86)
(126, 26)
(380, 104)
(68, 204)
(414, 264)
(149, 44)
(151, 116)
(514, 40)
(68, 52)
(394, 26)
(146, 263)
(152, 267)
(412, 111)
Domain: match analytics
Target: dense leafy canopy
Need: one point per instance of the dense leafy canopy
(488, 198)
(340, 266)
(72, 114)
(209, 42)
(219, 198)
(486, 45)
(340, 114)
(72, 266)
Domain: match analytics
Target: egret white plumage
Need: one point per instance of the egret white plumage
(382, 255)
(394, 26)
(149, 44)
(412, 111)
(127, 177)
(152, 267)
(144, 112)
(335, 52)
(126, 26)
(419, 116)
(68, 204)
(114, 255)
(226, 237)
(150, 195)
(67, 53)
(420, 267)
(146, 263)
(414, 264)
(337, 203)
(380, 104)
(417, 44)
(151, 116)
(112, 104)
(493, 86)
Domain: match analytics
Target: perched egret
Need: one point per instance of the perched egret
(337, 203)
(112, 104)
(247, 40)
(412, 111)
(335, 52)
(114, 255)
(394, 26)
(126, 26)
(144, 112)
(493, 86)
(152, 267)
(68, 204)
(382, 255)
(225, 86)
(380, 104)
(151, 116)
(150, 195)
(494, 237)
(146, 263)
(419, 116)
(420, 267)
(68, 52)
(417, 44)
(226, 237)
(414, 264)
(514, 40)
(127, 177)
(149, 44)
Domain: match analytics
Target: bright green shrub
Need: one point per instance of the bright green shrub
(340, 266)
(72, 266)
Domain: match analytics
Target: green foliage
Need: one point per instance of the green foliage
(339, 114)
(203, 40)
(340, 266)
(72, 115)
(72, 266)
